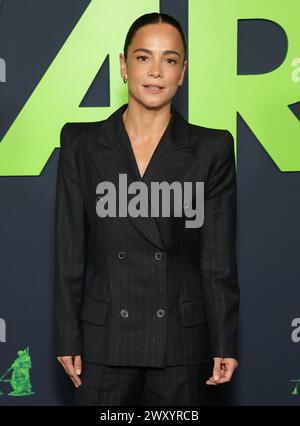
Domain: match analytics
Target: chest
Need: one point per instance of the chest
(142, 153)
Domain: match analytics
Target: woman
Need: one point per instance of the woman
(158, 322)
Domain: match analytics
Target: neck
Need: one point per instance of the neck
(145, 123)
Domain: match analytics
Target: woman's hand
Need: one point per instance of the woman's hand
(223, 370)
(72, 366)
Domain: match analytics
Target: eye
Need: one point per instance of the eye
(141, 57)
(170, 59)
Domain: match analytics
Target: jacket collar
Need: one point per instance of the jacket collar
(175, 159)
(111, 128)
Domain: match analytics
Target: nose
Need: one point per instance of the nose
(155, 68)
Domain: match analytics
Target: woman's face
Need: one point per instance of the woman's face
(155, 57)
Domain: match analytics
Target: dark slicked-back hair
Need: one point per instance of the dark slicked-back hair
(153, 18)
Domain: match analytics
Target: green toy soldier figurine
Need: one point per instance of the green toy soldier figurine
(20, 379)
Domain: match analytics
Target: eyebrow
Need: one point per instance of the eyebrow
(165, 52)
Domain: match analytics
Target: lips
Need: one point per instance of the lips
(153, 87)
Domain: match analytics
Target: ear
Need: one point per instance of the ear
(183, 72)
(123, 66)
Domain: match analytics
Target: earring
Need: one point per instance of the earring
(125, 79)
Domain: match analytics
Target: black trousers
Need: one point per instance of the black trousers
(171, 386)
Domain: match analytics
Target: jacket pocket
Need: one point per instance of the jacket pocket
(94, 310)
(192, 313)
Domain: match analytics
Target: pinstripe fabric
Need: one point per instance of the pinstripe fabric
(114, 319)
(170, 386)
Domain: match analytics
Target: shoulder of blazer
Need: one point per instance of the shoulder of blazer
(214, 142)
(72, 132)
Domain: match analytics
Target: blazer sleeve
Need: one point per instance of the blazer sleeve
(217, 254)
(71, 229)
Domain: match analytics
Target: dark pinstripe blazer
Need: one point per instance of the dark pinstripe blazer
(160, 293)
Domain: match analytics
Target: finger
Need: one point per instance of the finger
(77, 364)
(223, 380)
(217, 369)
(70, 370)
(64, 364)
(231, 364)
(66, 360)
(73, 375)
(210, 382)
(213, 381)
(74, 382)
(68, 366)
(223, 370)
(62, 359)
(228, 373)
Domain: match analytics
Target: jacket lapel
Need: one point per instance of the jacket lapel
(170, 161)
